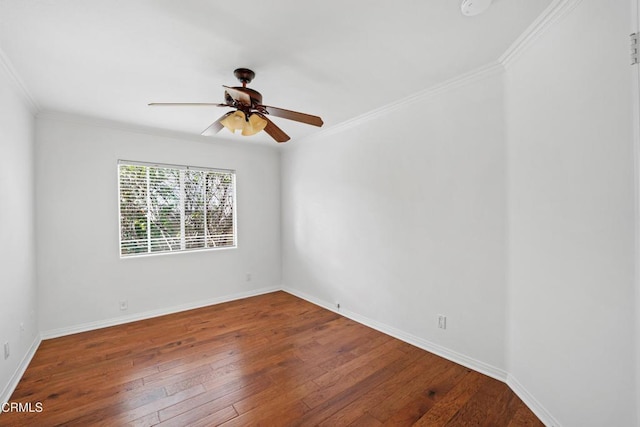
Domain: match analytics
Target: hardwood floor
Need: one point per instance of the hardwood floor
(271, 360)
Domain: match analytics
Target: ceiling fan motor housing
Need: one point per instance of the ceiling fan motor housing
(256, 97)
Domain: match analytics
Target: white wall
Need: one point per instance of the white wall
(17, 251)
(571, 218)
(402, 218)
(511, 213)
(81, 276)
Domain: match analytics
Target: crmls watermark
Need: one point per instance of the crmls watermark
(21, 407)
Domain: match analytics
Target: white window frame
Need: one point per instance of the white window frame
(183, 248)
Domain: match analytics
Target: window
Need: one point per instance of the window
(168, 208)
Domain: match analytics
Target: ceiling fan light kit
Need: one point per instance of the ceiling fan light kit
(474, 7)
(247, 126)
(250, 115)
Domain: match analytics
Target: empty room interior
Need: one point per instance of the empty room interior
(319, 213)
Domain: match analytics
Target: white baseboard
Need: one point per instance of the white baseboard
(533, 404)
(55, 333)
(469, 362)
(499, 374)
(22, 367)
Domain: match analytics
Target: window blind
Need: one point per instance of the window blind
(169, 208)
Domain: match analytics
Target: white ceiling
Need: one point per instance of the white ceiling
(334, 58)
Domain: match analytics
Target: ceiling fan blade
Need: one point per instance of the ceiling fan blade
(274, 131)
(294, 115)
(187, 104)
(238, 95)
(215, 126)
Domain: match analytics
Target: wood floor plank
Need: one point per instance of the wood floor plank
(149, 411)
(522, 417)
(364, 420)
(283, 410)
(219, 397)
(417, 394)
(377, 397)
(273, 360)
(202, 415)
(442, 412)
(485, 407)
(354, 389)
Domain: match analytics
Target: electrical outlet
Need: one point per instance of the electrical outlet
(6, 350)
(21, 327)
(248, 277)
(124, 305)
(442, 321)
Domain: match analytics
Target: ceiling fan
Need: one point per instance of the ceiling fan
(250, 115)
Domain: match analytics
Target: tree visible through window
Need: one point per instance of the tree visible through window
(165, 208)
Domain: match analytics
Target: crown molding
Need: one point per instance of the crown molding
(555, 11)
(472, 76)
(17, 82)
